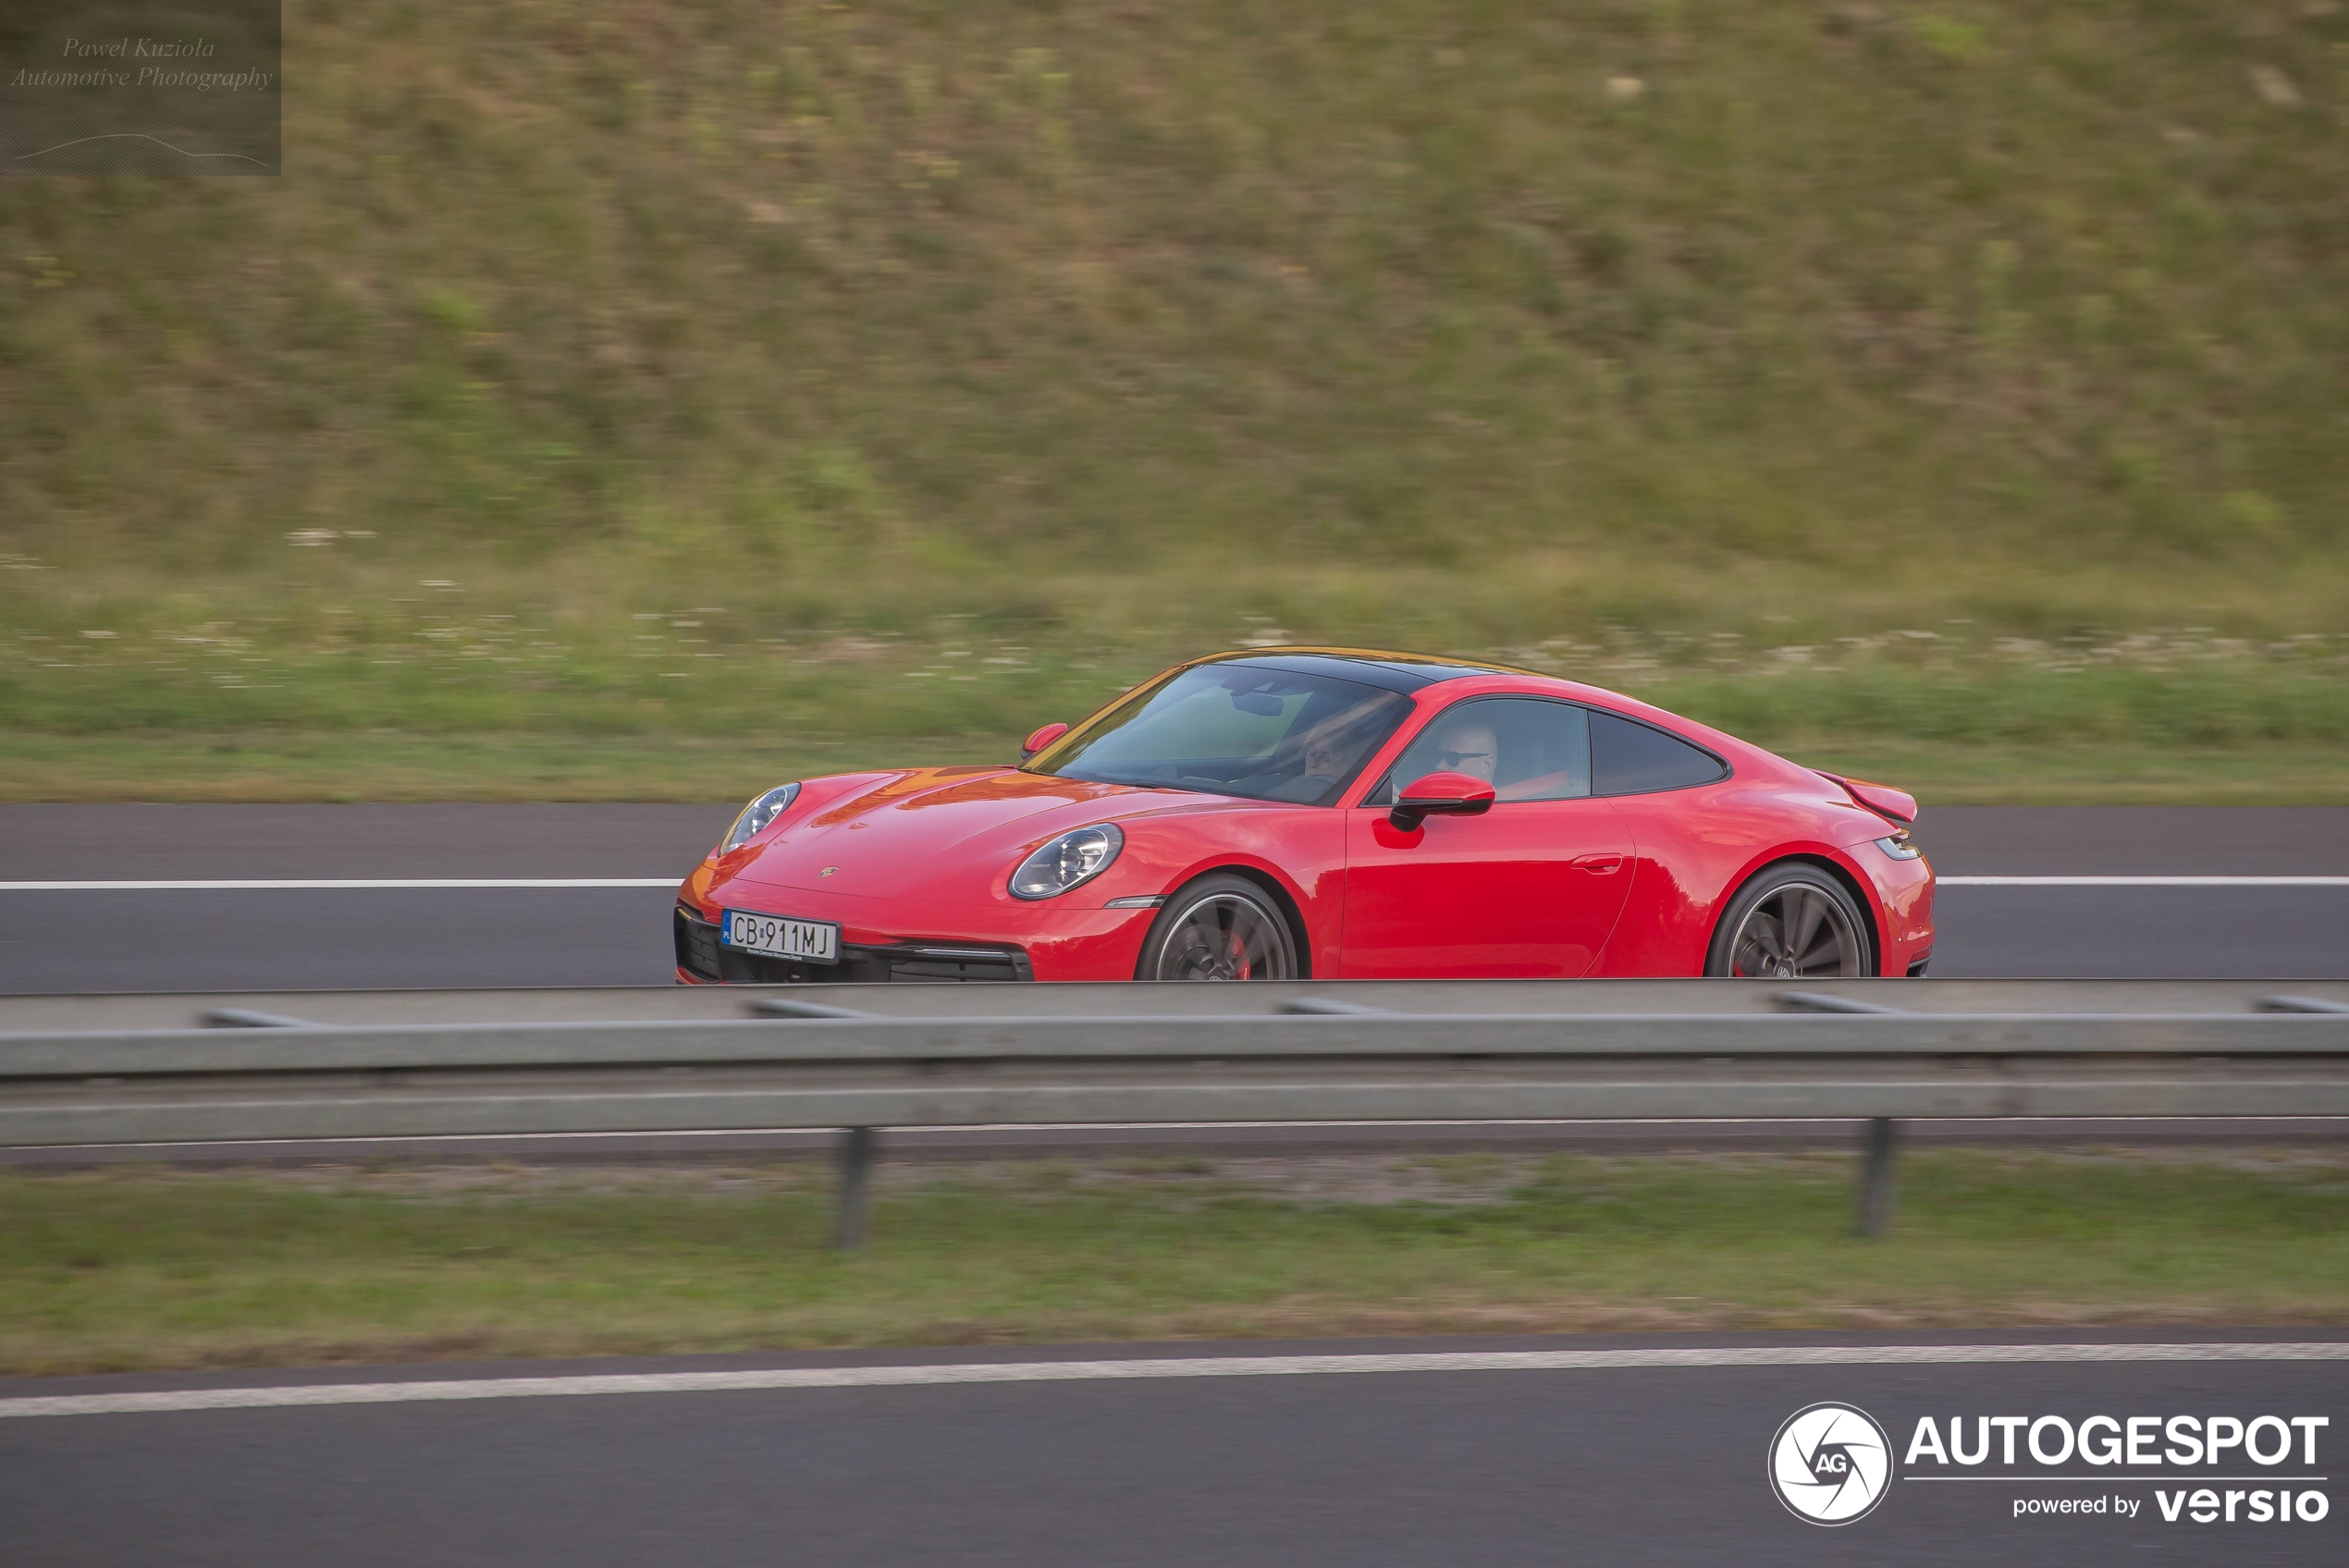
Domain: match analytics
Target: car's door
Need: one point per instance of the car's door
(1529, 889)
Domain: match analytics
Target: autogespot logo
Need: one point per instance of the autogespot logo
(1830, 1464)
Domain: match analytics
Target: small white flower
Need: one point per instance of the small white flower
(2275, 87)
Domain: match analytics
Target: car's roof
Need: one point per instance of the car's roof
(1407, 673)
(1393, 671)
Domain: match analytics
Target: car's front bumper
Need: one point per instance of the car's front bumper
(887, 940)
(702, 959)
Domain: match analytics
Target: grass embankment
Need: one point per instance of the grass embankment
(272, 766)
(694, 367)
(126, 1269)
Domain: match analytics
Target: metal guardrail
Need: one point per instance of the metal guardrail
(121, 1012)
(263, 1076)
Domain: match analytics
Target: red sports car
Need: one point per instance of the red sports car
(1329, 814)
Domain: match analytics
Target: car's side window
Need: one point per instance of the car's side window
(1631, 758)
(1529, 748)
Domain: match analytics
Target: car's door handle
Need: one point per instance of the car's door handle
(1599, 864)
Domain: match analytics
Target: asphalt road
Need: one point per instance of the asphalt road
(1619, 1466)
(115, 940)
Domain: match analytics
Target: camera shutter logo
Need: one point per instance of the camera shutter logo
(1830, 1464)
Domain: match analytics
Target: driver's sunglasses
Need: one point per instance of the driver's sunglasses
(1448, 760)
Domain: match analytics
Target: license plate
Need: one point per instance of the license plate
(810, 941)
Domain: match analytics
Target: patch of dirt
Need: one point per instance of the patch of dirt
(1450, 1179)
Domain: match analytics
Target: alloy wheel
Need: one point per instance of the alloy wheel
(1797, 932)
(1227, 937)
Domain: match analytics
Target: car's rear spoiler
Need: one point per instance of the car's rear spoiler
(1897, 806)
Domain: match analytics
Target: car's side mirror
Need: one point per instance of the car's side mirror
(1041, 739)
(1441, 795)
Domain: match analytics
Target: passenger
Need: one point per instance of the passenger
(1467, 745)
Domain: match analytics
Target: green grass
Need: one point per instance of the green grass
(129, 1269)
(391, 765)
(712, 366)
(491, 709)
(276, 765)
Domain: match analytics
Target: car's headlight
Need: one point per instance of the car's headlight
(1899, 847)
(1066, 860)
(757, 815)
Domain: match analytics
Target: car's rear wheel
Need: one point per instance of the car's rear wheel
(1220, 928)
(1792, 921)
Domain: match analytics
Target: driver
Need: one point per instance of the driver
(1310, 765)
(1467, 744)
(1321, 762)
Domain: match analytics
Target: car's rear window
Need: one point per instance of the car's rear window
(1631, 758)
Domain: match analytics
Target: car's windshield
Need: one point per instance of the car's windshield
(1235, 729)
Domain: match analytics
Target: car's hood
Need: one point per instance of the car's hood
(919, 833)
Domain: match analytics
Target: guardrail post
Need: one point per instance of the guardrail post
(851, 1225)
(1823, 1002)
(245, 1018)
(791, 1007)
(1876, 1177)
(2299, 1004)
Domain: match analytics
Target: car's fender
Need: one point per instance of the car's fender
(1694, 849)
(1301, 850)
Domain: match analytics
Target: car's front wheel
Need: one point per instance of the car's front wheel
(1219, 928)
(1792, 921)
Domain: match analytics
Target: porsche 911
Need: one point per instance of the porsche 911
(1325, 814)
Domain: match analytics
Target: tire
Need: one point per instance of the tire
(1220, 928)
(1753, 939)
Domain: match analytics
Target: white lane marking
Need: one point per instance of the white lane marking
(338, 884)
(267, 884)
(1111, 1371)
(2144, 881)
